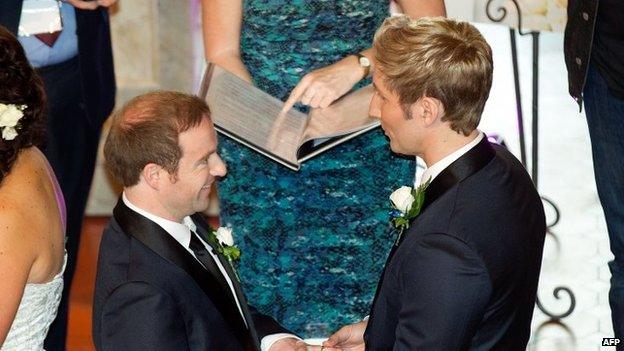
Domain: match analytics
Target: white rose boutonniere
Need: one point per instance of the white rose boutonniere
(9, 119)
(223, 240)
(407, 203)
(224, 235)
(402, 199)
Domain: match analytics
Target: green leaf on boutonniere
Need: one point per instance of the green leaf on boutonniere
(419, 199)
(401, 220)
(213, 241)
(233, 253)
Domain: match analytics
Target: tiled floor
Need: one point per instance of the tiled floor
(81, 296)
(577, 253)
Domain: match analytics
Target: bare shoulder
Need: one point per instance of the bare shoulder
(12, 219)
(14, 243)
(24, 195)
(27, 171)
(16, 260)
(28, 186)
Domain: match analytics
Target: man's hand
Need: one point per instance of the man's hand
(90, 5)
(292, 344)
(348, 338)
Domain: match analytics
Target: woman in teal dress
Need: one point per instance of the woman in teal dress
(313, 241)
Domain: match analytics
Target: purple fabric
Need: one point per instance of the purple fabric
(60, 199)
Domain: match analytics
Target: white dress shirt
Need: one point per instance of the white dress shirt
(438, 167)
(181, 232)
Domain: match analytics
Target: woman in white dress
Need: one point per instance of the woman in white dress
(32, 254)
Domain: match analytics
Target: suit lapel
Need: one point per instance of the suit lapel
(158, 240)
(202, 230)
(468, 164)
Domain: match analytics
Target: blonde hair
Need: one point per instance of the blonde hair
(438, 58)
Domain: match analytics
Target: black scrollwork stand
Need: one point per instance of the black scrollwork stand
(501, 15)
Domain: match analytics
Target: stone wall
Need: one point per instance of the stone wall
(156, 45)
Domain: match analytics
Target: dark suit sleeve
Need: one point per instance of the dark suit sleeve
(10, 12)
(138, 316)
(266, 325)
(444, 288)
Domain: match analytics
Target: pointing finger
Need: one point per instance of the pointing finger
(296, 94)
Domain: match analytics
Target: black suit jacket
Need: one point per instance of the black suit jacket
(94, 53)
(465, 275)
(151, 294)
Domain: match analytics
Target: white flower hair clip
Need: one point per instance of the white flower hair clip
(9, 117)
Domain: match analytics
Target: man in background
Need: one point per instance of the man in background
(594, 56)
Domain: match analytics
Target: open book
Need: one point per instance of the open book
(252, 117)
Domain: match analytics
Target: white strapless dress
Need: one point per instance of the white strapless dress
(36, 312)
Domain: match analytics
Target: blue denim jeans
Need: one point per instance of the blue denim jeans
(605, 118)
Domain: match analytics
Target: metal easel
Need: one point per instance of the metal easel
(501, 15)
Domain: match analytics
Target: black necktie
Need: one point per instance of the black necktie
(202, 254)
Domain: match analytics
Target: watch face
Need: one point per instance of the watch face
(364, 61)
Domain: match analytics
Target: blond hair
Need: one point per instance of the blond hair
(438, 58)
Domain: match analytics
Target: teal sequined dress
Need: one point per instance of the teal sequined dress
(314, 242)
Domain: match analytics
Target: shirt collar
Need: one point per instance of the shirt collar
(438, 167)
(181, 232)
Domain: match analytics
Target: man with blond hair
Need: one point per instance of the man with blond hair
(463, 275)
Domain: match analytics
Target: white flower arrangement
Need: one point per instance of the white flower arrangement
(9, 118)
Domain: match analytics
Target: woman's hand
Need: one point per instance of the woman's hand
(323, 86)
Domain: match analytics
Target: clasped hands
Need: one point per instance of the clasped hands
(347, 338)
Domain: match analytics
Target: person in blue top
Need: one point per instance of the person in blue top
(314, 241)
